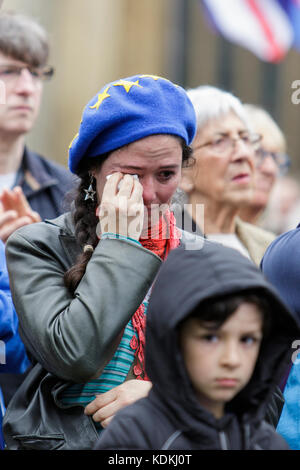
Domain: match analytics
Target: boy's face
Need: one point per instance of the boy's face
(220, 362)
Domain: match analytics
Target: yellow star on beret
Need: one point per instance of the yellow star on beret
(76, 135)
(101, 97)
(155, 77)
(127, 84)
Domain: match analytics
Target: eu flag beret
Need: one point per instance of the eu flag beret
(129, 109)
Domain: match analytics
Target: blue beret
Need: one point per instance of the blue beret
(129, 109)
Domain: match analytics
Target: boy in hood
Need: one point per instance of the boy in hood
(218, 340)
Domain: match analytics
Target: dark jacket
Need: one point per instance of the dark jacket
(281, 267)
(12, 356)
(171, 416)
(12, 352)
(71, 337)
(45, 185)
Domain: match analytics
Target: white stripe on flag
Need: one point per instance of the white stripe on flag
(239, 23)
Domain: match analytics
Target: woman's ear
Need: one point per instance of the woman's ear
(186, 183)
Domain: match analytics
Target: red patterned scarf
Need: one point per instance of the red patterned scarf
(167, 237)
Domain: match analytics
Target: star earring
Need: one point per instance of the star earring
(90, 193)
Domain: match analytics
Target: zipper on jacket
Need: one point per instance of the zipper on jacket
(246, 436)
(223, 440)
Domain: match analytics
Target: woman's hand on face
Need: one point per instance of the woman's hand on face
(105, 405)
(122, 211)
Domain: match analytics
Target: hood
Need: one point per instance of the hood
(186, 279)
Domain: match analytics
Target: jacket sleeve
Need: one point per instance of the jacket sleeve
(278, 443)
(13, 358)
(274, 407)
(266, 438)
(74, 337)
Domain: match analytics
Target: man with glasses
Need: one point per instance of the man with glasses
(271, 162)
(24, 51)
(32, 188)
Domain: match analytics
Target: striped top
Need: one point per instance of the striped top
(113, 374)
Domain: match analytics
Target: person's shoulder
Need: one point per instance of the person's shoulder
(138, 426)
(255, 231)
(41, 232)
(126, 429)
(285, 247)
(266, 438)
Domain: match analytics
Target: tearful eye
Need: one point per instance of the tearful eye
(166, 175)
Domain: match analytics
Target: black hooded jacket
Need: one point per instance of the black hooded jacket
(171, 417)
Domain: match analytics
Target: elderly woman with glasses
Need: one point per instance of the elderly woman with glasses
(271, 161)
(221, 180)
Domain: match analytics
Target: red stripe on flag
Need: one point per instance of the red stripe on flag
(276, 51)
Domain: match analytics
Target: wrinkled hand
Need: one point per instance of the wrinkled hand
(122, 211)
(105, 405)
(15, 212)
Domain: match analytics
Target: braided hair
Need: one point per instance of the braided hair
(85, 219)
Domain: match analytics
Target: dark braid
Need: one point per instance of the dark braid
(86, 221)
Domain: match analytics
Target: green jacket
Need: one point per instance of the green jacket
(73, 337)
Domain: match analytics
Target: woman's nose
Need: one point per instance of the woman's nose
(149, 191)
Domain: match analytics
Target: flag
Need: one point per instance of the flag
(292, 9)
(261, 26)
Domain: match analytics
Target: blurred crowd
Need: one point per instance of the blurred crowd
(148, 293)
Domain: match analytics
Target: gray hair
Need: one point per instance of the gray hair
(23, 39)
(264, 124)
(213, 103)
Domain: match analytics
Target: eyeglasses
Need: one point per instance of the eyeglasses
(11, 73)
(282, 160)
(223, 143)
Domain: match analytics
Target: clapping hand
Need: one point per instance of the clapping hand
(15, 212)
